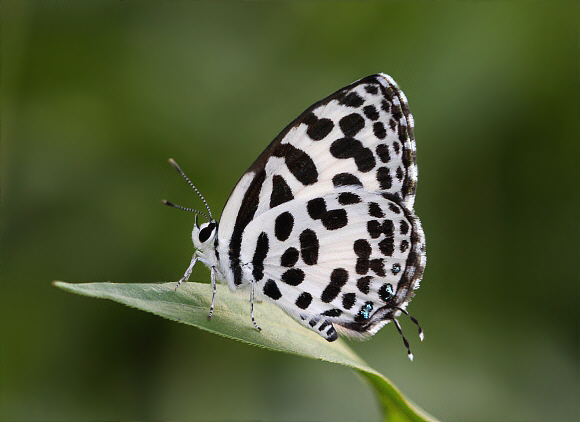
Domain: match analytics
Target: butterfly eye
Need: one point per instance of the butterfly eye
(206, 232)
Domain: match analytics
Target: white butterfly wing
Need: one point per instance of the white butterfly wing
(347, 257)
(359, 139)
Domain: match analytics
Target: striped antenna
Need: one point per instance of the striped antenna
(174, 164)
(179, 207)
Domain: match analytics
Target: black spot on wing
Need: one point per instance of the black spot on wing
(378, 267)
(384, 178)
(362, 266)
(348, 198)
(345, 148)
(383, 153)
(379, 130)
(262, 246)
(371, 112)
(281, 192)
(316, 208)
(386, 292)
(399, 173)
(293, 276)
(318, 129)
(375, 210)
(298, 162)
(309, 247)
(362, 249)
(304, 300)
(348, 300)
(364, 284)
(283, 226)
(335, 219)
(346, 179)
(387, 246)
(352, 99)
(385, 106)
(396, 147)
(338, 279)
(289, 257)
(374, 228)
(388, 228)
(332, 313)
(351, 124)
(372, 89)
(271, 290)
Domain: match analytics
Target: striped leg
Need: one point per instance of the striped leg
(253, 283)
(213, 291)
(187, 274)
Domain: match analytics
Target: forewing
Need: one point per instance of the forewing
(359, 137)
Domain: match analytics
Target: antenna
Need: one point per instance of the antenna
(174, 164)
(179, 207)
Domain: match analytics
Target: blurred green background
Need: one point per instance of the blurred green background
(96, 96)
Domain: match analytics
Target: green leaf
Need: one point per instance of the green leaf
(190, 304)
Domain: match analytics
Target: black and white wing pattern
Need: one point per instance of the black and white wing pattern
(322, 223)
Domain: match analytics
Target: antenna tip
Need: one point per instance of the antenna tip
(422, 336)
(166, 202)
(411, 357)
(174, 164)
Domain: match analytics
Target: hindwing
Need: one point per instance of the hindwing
(350, 257)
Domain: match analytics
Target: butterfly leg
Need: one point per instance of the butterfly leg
(187, 272)
(253, 283)
(213, 291)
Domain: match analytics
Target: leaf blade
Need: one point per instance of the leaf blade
(190, 305)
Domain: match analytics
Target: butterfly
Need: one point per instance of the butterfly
(322, 223)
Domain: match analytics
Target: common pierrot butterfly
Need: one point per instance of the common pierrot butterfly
(322, 223)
